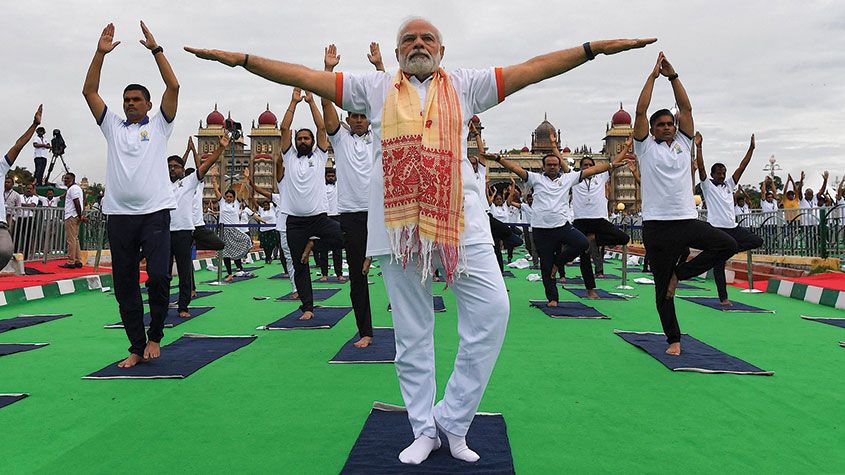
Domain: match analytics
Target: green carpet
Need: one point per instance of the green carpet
(576, 398)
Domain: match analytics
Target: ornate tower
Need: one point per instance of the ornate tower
(623, 187)
(265, 143)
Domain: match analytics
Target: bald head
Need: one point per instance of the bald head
(419, 47)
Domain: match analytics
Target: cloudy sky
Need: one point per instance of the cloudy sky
(771, 68)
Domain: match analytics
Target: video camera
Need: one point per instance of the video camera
(57, 143)
(234, 129)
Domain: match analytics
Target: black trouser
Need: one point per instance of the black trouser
(745, 241)
(354, 228)
(207, 239)
(40, 166)
(549, 242)
(227, 261)
(606, 234)
(300, 230)
(132, 237)
(665, 242)
(180, 249)
(501, 233)
(322, 257)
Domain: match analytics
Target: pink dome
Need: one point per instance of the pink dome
(215, 118)
(267, 118)
(621, 117)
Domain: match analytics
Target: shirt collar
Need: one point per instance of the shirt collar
(311, 153)
(146, 120)
(718, 184)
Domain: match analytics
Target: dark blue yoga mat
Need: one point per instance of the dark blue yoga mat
(179, 359)
(332, 279)
(235, 280)
(174, 298)
(439, 306)
(608, 277)
(173, 319)
(569, 310)
(381, 350)
(144, 289)
(387, 432)
(12, 348)
(324, 317)
(6, 399)
(572, 281)
(22, 321)
(837, 322)
(318, 294)
(283, 275)
(695, 356)
(713, 302)
(603, 294)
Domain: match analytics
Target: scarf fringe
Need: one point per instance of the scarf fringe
(405, 241)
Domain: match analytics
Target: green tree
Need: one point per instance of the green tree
(21, 176)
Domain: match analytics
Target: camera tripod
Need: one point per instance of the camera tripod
(53, 164)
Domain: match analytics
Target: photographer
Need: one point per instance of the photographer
(41, 147)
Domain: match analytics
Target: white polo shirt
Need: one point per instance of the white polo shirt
(332, 199)
(229, 212)
(281, 217)
(137, 178)
(269, 217)
(74, 192)
(514, 214)
(303, 188)
(741, 210)
(184, 189)
(551, 199)
(808, 218)
(500, 212)
(40, 152)
(765, 206)
(29, 200)
(353, 158)
(199, 219)
(477, 90)
(527, 212)
(51, 202)
(589, 200)
(666, 178)
(243, 218)
(720, 203)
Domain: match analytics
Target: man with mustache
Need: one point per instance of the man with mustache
(425, 209)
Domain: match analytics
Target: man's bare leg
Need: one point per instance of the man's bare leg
(673, 284)
(307, 315)
(130, 361)
(674, 349)
(363, 342)
(152, 351)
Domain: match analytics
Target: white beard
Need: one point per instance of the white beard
(420, 65)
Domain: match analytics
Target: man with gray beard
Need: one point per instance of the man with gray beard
(425, 210)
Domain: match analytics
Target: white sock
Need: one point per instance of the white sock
(418, 451)
(458, 446)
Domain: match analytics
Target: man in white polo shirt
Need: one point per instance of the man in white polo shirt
(303, 197)
(41, 146)
(182, 218)
(670, 220)
(353, 145)
(74, 198)
(408, 190)
(139, 195)
(7, 246)
(333, 212)
(721, 213)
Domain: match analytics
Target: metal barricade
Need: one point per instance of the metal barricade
(38, 233)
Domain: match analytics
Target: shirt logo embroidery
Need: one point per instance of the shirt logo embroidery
(677, 148)
(145, 136)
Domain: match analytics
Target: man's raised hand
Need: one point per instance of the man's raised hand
(37, 119)
(297, 95)
(331, 58)
(225, 57)
(617, 46)
(309, 98)
(375, 55)
(149, 42)
(698, 139)
(106, 42)
(753, 143)
(223, 141)
(666, 67)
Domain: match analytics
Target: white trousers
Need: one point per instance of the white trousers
(483, 310)
(283, 236)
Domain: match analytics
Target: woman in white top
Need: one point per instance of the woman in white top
(237, 243)
(268, 236)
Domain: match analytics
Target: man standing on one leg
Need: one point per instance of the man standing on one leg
(182, 219)
(425, 209)
(353, 156)
(7, 246)
(670, 220)
(139, 195)
(303, 197)
(721, 213)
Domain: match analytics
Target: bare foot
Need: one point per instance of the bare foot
(295, 295)
(592, 295)
(674, 349)
(726, 303)
(341, 278)
(185, 314)
(562, 280)
(307, 315)
(363, 342)
(308, 247)
(152, 351)
(324, 278)
(193, 294)
(552, 303)
(673, 283)
(599, 276)
(131, 361)
(228, 278)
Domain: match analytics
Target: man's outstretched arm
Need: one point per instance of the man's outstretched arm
(330, 60)
(542, 67)
(91, 88)
(641, 124)
(509, 165)
(206, 165)
(321, 83)
(170, 98)
(684, 115)
(20, 143)
(745, 160)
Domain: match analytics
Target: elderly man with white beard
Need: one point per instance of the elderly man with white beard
(425, 211)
